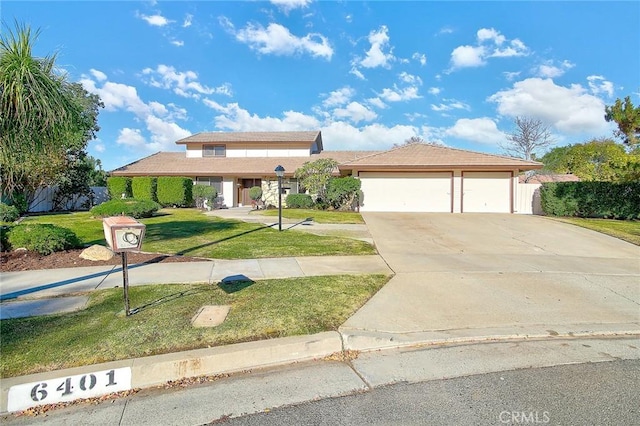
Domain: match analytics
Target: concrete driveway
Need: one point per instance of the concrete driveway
(470, 277)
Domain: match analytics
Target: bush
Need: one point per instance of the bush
(118, 185)
(342, 192)
(8, 213)
(255, 193)
(175, 191)
(43, 238)
(128, 207)
(4, 237)
(144, 188)
(204, 192)
(591, 199)
(299, 201)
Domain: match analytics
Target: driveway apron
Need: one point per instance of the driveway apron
(463, 277)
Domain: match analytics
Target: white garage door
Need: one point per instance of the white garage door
(406, 192)
(486, 192)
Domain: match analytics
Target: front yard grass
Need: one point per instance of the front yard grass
(319, 216)
(101, 333)
(627, 230)
(189, 232)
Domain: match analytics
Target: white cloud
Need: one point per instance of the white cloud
(288, 5)
(278, 40)
(489, 44)
(156, 20)
(355, 112)
(450, 105)
(483, 130)
(355, 71)
(511, 75)
(163, 133)
(420, 57)
(339, 97)
(376, 55)
(569, 109)
(468, 56)
(397, 95)
(238, 119)
(188, 20)
(549, 70)
(98, 75)
(434, 91)
(131, 137)
(412, 116)
(340, 135)
(410, 78)
(445, 30)
(376, 102)
(599, 85)
(183, 83)
(178, 43)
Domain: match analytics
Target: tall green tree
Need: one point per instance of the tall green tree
(627, 117)
(595, 160)
(314, 176)
(43, 116)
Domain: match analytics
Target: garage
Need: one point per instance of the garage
(487, 192)
(406, 192)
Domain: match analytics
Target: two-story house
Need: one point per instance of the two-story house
(412, 178)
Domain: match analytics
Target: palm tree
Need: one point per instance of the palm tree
(37, 113)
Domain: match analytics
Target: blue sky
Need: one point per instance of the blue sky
(368, 74)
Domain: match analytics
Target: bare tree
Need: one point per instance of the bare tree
(529, 136)
(413, 140)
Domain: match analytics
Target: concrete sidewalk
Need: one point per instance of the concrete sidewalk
(39, 292)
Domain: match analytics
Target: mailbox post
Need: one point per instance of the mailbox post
(123, 234)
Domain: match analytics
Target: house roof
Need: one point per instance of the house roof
(177, 164)
(542, 178)
(429, 156)
(273, 137)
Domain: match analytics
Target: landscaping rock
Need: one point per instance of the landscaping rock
(96, 252)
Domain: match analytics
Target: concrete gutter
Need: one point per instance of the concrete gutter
(156, 370)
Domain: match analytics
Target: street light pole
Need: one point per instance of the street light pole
(280, 173)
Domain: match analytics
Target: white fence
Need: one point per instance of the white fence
(528, 198)
(43, 199)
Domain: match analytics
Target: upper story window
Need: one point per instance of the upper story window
(214, 151)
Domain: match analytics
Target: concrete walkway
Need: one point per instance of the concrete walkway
(19, 289)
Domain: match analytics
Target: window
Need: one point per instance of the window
(214, 150)
(214, 181)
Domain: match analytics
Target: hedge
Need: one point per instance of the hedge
(144, 188)
(118, 185)
(175, 191)
(299, 201)
(127, 207)
(43, 238)
(8, 213)
(592, 199)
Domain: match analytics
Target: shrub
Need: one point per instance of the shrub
(8, 213)
(255, 193)
(299, 201)
(175, 191)
(128, 207)
(592, 199)
(342, 192)
(4, 237)
(118, 185)
(204, 192)
(144, 188)
(43, 238)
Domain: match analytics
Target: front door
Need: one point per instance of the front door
(244, 189)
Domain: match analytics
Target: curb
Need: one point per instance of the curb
(159, 369)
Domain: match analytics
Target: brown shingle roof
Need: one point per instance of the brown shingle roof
(230, 137)
(427, 156)
(177, 164)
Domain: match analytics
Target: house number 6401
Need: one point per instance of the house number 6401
(68, 388)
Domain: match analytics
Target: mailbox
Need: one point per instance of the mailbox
(123, 233)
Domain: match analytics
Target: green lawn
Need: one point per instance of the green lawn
(101, 333)
(319, 216)
(627, 230)
(189, 232)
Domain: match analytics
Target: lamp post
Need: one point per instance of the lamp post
(279, 172)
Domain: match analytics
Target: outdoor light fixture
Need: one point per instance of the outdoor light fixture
(279, 172)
